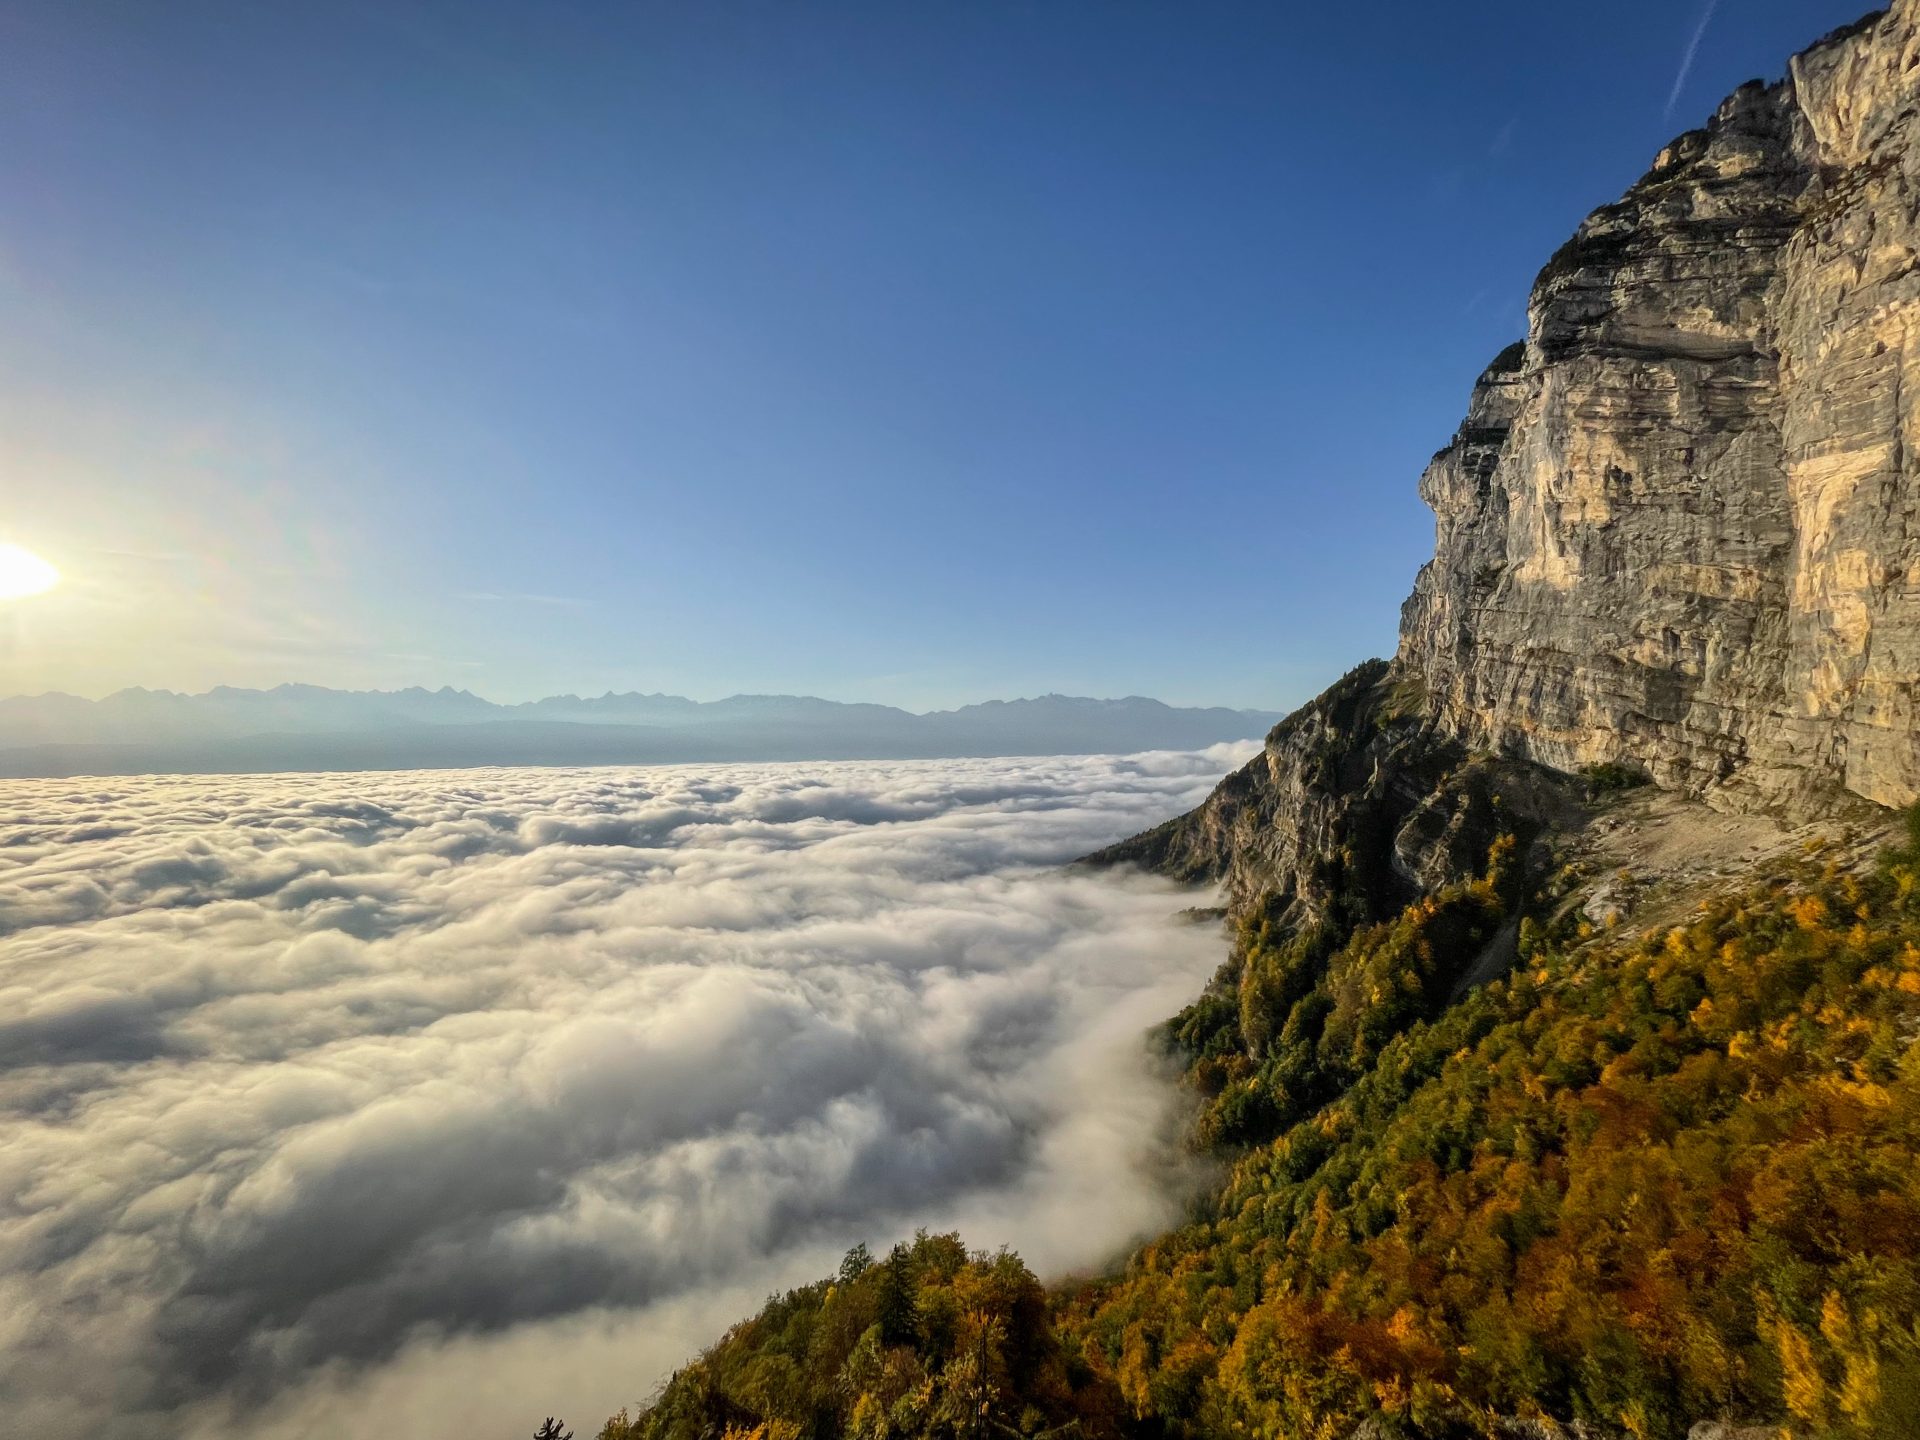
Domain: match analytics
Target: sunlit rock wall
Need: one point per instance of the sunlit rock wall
(1680, 527)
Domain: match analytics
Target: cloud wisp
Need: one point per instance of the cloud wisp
(1687, 58)
(410, 1100)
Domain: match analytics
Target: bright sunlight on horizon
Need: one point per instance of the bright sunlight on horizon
(23, 573)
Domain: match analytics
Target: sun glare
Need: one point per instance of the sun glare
(24, 573)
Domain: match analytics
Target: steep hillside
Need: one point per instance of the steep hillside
(1648, 1181)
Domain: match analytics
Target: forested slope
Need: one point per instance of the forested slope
(1643, 1181)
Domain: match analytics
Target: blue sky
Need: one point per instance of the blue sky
(920, 353)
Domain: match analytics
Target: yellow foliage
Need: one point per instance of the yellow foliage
(1809, 912)
(1802, 1386)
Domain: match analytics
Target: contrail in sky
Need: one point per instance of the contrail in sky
(1686, 59)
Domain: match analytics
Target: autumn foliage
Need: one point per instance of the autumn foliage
(931, 1341)
(1639, 1182)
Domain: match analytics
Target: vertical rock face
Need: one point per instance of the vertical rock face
(1680, 527)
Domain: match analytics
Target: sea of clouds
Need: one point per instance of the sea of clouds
(430, 1103)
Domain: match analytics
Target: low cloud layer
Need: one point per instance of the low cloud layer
(455, 1099)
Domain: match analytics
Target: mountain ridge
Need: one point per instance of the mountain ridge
(304, 727)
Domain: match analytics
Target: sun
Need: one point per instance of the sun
(24, 573)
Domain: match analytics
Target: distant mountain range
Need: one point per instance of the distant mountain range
(309, 727)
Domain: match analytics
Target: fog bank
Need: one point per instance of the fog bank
(443, 1101)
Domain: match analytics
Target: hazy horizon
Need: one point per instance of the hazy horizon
(97, 696)
(318, 730)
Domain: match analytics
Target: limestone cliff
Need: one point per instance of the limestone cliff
(1679, 529)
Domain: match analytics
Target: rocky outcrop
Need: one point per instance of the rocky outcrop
(1680, 528)
(1357, 805)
